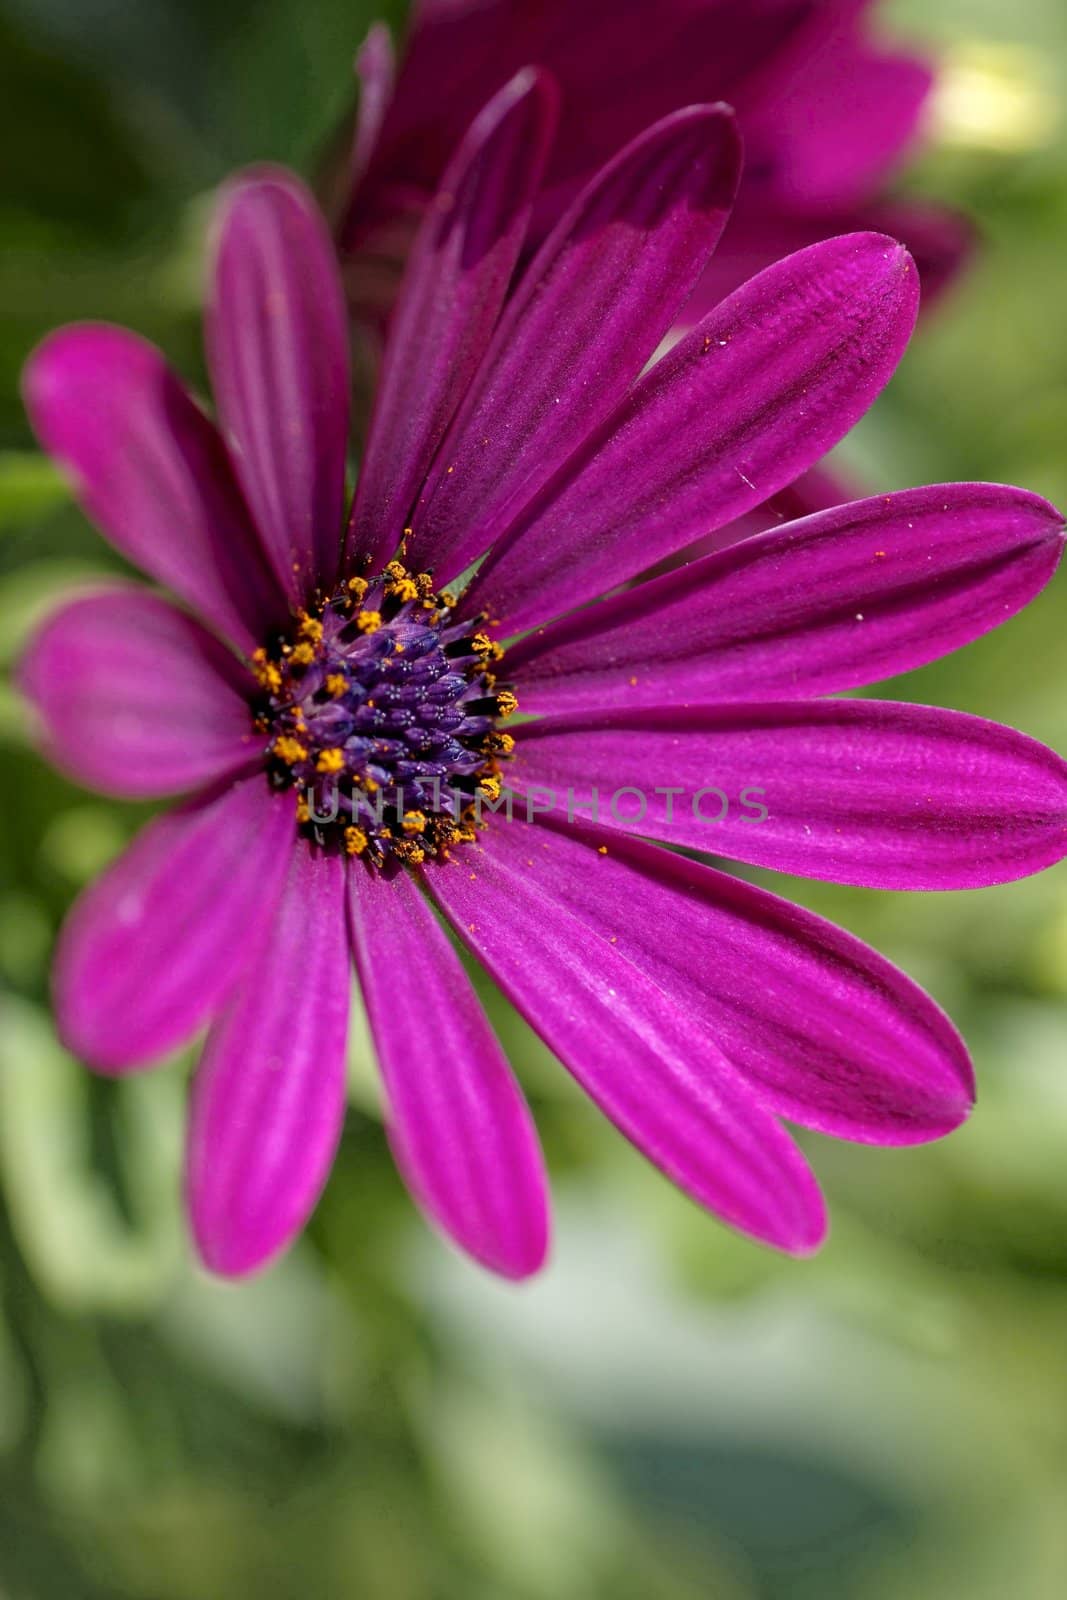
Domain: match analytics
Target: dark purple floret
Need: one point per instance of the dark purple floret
(381, 710)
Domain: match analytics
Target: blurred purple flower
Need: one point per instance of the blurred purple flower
(695, 1009)
(827, 115)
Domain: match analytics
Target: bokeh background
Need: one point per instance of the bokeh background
(670, 1412)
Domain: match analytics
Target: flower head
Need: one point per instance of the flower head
(337, 695)
(827, 114)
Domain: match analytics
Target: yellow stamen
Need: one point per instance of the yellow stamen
(266, 672)
(330, 761)
(414, 822)
(369, 621)
(506, 703)
(335, 684)
(356, 841)
(289, 750)
(302, 655)
(357, 588)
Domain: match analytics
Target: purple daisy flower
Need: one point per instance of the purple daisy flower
(695, 1009)
(827, 115)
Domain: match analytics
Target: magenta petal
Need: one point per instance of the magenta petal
(867, 792)
(135, 698)
(278, 350)
(843, 598)
(588, 313)
(650, 1067)
(154, 947)
(456, 281)
(459, 1127)
(755, 394)
(376, 72)
(269, 1095)
(838, 129)
(942, 241)
(151, 471)
(823, 1029)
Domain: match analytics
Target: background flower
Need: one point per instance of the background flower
(828, 115)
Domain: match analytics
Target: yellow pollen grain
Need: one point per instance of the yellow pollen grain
(356, 841)
(447, 599)
(335, 684)
(396, 570)
(303, 810)
(310, 627)
(267, 674)
(403, 589)
(601, 849)
(357, 587)
(332, 760)
(490, 787)
(413, 821)
(506, 703)
(302, 655)
(289, 750)
(369, 621)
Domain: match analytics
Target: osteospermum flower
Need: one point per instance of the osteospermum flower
(335, 681)
(827, 114)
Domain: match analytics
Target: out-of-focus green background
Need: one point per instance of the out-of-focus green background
(669, 1413)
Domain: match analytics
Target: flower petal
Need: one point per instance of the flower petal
(618, 267)
(151, 471)
(842, 598)
(136, 698)
(456, 281)
(648, 1065)
(459, 1127)
(823, 1029)
(942, 241)
(154, 947)
(278, 350)
(835, 131)
(755, 394)
(867, 792)
(269, 1095)
(376, 72)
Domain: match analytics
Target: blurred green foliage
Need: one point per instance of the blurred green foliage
(671, 1412)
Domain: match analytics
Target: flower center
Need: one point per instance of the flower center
(381, 711)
